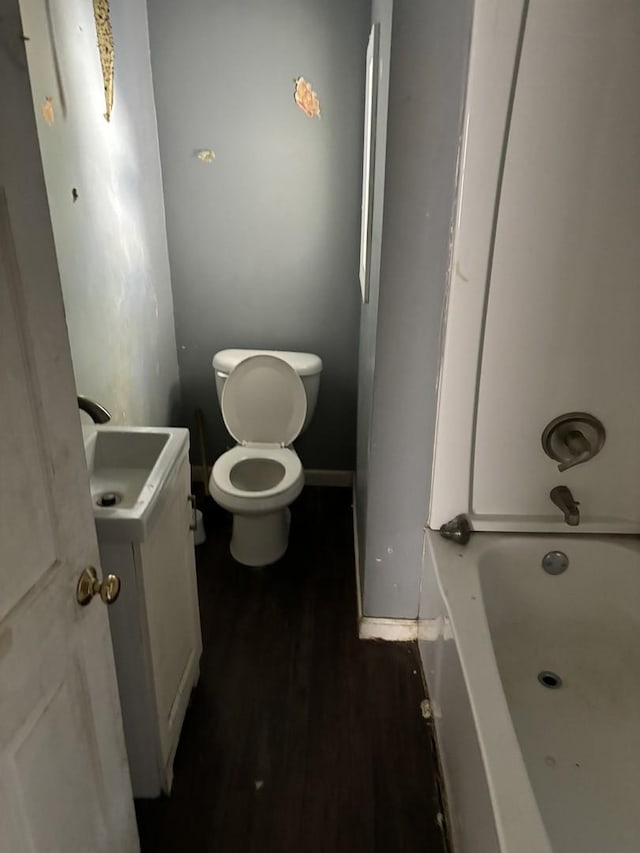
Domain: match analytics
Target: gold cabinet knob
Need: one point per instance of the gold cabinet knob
(89, 585)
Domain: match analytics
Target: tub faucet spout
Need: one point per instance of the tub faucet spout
(564, 500)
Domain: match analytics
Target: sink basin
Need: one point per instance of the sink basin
(128, 470)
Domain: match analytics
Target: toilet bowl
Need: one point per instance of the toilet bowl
(264, 406)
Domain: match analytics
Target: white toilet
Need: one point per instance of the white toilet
(267, 399)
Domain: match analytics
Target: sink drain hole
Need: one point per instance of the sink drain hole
(549, 679)
(108, 499)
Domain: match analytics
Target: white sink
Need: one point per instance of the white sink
(129, 468)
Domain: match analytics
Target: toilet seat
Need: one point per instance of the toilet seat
(252, 502)
(225, 464)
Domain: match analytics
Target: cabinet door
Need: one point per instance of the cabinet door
(167, 566)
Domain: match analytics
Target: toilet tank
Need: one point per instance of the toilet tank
(307, 365)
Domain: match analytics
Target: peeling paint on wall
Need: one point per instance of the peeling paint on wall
(104, 32)
(306, 98)
(206, 155)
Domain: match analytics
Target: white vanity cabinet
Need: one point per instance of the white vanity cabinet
(155, 627)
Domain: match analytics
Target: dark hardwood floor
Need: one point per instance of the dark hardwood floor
(300, 738)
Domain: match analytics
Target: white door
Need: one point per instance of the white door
(64, 780)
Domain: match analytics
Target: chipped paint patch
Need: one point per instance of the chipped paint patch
(425, 709)
(306, 98)
(206, 155)
(47, 111)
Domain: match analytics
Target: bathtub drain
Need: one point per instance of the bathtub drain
(549, 679)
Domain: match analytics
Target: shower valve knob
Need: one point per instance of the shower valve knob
(573, 438)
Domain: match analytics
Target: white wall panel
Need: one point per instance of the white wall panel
(563, 315)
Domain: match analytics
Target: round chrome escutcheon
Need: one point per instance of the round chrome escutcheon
(555, 562)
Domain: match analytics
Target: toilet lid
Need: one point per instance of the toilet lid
(264, 401)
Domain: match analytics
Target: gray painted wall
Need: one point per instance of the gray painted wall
(111, 242)
(264, 240)
(429, 52)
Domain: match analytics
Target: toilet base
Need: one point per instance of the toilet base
(258, 540)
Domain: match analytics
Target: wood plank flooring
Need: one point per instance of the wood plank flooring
(300, 737)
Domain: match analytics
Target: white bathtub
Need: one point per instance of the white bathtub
(530, 769)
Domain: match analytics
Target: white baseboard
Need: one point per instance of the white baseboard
(393, 630)
(312, 476)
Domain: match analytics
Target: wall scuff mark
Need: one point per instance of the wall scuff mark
(306, 98)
